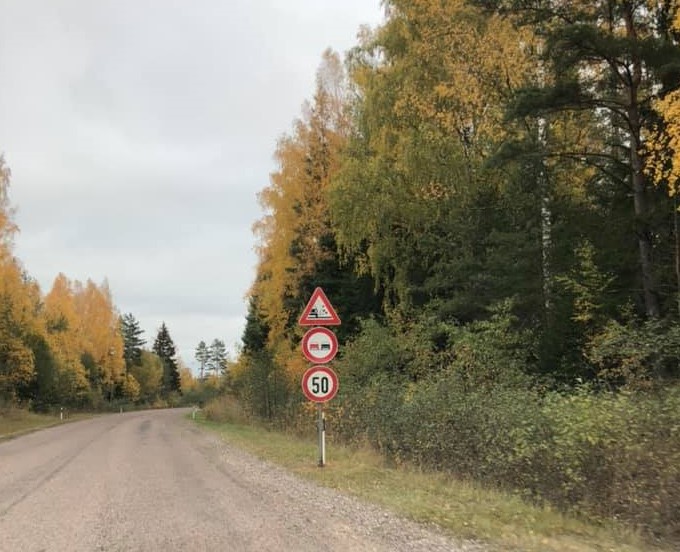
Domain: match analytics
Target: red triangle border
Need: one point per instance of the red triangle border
(306, 318)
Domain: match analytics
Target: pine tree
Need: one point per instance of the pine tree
(609, 59)
(164, 347)
(217, 360)
(132, 340)
(202, 356)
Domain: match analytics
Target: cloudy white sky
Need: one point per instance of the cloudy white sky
(139, 132)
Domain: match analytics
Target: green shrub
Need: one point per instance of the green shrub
(472, 432)
(608, 455)
(460, 399)
(636, 354)
(375, 351)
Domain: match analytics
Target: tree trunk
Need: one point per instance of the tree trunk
(546, 221)
(644, 237)
(544, 190)
(638, 178)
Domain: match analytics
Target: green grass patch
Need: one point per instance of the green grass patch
(15, 422)
(502, 521)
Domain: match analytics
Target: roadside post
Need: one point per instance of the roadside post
(321, 433)
(319, 346)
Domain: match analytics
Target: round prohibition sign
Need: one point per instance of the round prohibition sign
(319, 345)
(319, 384)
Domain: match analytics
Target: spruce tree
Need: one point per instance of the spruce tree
(164, 347)
(256, 331)
(132, 340)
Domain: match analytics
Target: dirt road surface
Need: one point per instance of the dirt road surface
(152, 481)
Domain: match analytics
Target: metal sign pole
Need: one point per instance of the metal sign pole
(319, 345)
(321, 431)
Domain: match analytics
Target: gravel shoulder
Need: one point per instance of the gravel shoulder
(154, 481)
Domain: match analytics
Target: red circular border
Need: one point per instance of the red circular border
(330, 373)
(334, 345)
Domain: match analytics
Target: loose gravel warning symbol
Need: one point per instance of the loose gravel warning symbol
(319, 311)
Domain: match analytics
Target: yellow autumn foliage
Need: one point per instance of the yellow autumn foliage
(81, 319)
(19, 299)
(295, 202)
(101, 337)
(663, 147)
(63, 321)
(472, 63)
(43, 341)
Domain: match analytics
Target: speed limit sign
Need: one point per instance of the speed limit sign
(319, 384)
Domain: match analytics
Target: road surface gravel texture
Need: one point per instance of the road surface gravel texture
(153, 481)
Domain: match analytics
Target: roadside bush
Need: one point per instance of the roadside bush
(482, 433)
(616, 456)
(636, 354)
(460, 399)
(374, 352)
(225, 409)
(263, 388)
(607, 455)
(202, 392)
(372, 412)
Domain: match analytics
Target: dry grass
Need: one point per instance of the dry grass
(503, 521)
(15, 422)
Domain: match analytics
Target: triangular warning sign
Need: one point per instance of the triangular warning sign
(319, 311)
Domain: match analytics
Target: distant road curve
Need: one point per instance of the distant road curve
(151, 481)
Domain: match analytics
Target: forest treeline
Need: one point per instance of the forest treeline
(487, 193)
(70, 348)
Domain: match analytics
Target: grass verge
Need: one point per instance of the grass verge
(502, 521)
(16, 422)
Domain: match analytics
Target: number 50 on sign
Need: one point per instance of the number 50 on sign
(319, 384)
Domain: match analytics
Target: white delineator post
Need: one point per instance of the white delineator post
(321, 434)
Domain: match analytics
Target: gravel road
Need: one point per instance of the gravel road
(152, 481)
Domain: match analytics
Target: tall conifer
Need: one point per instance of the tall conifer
(164, 347)
(132, 340)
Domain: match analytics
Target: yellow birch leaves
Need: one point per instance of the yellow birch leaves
(81, 320)
(663, 147)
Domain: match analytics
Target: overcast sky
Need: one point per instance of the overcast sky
(139, 132)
